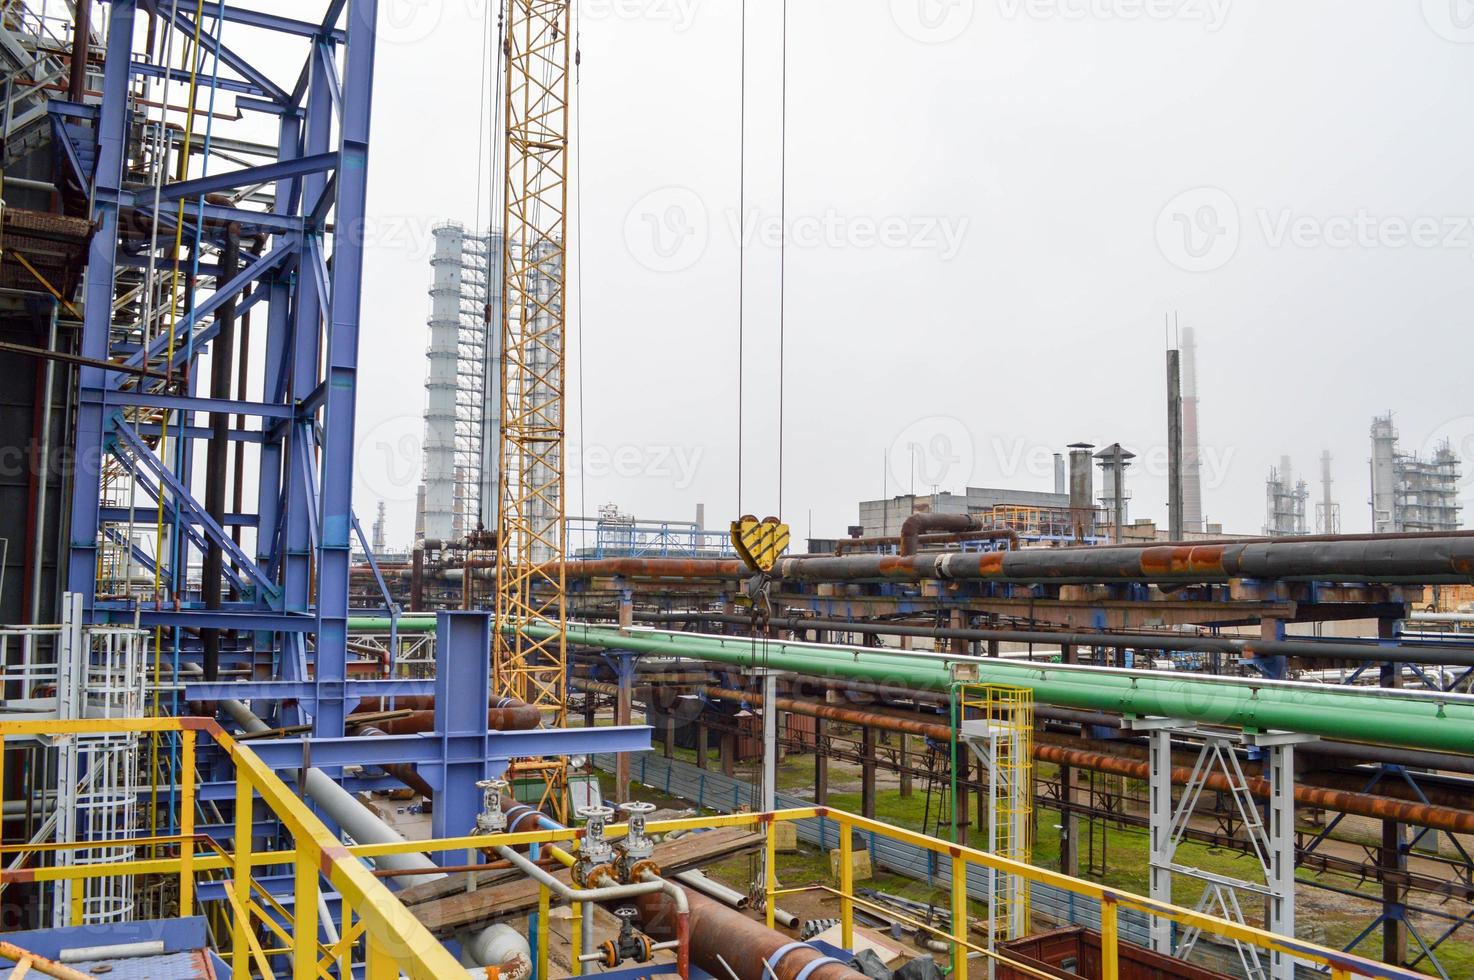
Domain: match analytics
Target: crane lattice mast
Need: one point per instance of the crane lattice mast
(531, 525)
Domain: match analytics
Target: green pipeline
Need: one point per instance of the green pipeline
(1423, 720)
(1407, 718)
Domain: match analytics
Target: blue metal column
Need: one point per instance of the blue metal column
(102, 261)
(462, 695)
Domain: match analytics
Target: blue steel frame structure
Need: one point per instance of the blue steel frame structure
(292, 594)
(289, 601)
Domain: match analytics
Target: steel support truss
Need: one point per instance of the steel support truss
(286, 599)
(1270, 832)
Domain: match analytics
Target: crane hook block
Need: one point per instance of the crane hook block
(759, 543)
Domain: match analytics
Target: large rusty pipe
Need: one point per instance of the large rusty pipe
(723, 941)
(918, 524)
(504, 714)
(1442, 558)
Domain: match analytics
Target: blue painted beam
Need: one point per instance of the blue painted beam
(306, 690)
(245, 177)
(286, 753)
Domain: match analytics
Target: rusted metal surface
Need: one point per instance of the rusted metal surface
(721, 935)
(506, 715)
(1432, 559)
(446, 906)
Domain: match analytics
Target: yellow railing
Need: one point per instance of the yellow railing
(394, 941)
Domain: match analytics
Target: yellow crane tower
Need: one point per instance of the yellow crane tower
(531, 525)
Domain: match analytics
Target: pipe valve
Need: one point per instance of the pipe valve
(630, 945)
(636, 848)
(491, 819)
(595, 864)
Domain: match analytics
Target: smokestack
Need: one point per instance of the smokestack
(1192, 460)
(1174, 445)
(701, 517)
(1060, 484)
(1082, 491)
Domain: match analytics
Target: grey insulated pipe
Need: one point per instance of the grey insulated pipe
(343, 807)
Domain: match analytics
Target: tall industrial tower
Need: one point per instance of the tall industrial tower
(1192, 458)
(1327, 512)
(1412, 492)
(462, 384)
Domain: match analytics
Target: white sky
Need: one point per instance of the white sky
(1034, 166)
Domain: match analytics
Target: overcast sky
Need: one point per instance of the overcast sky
(992, 205)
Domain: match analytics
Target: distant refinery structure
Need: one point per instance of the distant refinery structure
(1411, 492)
(1285, 502)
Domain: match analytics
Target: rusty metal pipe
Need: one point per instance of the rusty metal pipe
(505, 715)
(721, 938)
(1442, 558)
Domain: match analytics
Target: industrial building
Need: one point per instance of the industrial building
(998, 733)
(1411, 492)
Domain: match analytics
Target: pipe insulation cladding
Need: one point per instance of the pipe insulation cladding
(1431, 720)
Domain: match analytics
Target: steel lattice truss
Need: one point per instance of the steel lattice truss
(530, 513)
